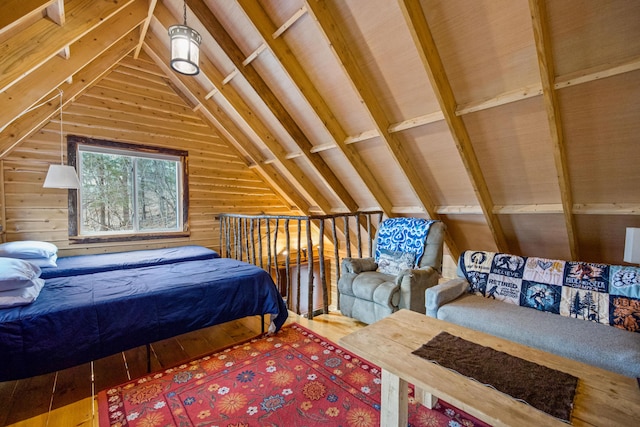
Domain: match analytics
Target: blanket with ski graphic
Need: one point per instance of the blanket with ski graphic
(601, 293)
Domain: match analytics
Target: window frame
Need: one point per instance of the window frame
(73, 143)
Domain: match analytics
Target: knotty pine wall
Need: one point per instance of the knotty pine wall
(134, 103)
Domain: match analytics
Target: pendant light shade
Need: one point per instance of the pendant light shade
(185, 48)
(61, 176)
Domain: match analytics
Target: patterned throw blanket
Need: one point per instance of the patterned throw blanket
(406, 235)
(600, 293)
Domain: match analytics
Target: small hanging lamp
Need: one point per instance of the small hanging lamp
(185, 47)
(61, 176)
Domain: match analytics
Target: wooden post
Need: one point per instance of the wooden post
(336, 255)
(310, 268)
(323, 278)
(359, 235)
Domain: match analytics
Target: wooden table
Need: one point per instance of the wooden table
(603, 398)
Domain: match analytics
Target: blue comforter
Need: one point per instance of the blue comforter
(109, 303)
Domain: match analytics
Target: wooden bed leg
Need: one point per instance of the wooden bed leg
(262, 323)
(148, 358)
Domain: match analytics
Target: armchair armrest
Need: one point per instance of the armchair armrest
(358, 265)
(443, 293)
(413, 284)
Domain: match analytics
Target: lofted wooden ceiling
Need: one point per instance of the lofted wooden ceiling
(515, 122)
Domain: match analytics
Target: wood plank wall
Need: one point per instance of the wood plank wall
(135, 104)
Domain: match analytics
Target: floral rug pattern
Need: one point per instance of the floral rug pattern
(293, 378)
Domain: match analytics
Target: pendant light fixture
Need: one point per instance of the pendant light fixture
(185, 45)
(61, 176)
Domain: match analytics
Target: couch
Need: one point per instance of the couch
(583, 311)
(374, 287)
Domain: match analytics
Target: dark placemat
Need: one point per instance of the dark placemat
(543, 388)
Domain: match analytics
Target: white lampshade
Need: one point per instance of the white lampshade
(61, 176)
(632, 246)
(185, 49)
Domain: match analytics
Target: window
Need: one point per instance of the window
(128, 190)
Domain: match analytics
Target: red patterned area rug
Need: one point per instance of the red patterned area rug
(293, 378)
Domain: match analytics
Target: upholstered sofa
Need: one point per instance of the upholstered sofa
(368, 293)
(583, 311)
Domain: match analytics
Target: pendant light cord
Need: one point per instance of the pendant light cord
(184, 8)
(61, 130)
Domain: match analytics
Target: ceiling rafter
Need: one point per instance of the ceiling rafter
(28, 91)
(231, 49)
(330, 30)
(428, 52)
(301, 80)
(145, 27)
(231, 97)
(31, 122)
(547, 74)
(47, 38)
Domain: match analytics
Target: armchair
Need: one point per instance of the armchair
(368, 295)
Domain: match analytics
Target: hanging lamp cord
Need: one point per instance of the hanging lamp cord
(184, 8)
(61, 130)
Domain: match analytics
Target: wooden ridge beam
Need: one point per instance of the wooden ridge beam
(31, 122)
(281, 51)
(231, 49)
(46, 38)
(547, 75)
(430, 57)
(28, 91)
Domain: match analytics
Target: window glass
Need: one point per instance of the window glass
(124, 192)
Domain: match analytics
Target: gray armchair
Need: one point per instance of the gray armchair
(369, 295)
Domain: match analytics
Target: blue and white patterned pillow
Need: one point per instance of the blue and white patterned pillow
(393, 262)
(403, 235)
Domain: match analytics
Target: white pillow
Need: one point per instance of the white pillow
(44, 262)
(28, 249)
(17, 273)
(24, 296)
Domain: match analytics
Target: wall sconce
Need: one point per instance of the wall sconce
(185, 47)
(61, 176)
(632, 246)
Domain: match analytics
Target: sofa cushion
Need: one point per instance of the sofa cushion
(572, 289)
(599, 345)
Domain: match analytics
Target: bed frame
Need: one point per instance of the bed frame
(92, 306)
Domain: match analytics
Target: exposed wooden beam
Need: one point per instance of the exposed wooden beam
(546, 208)
(46, 38)
(598, 72)
(502, 99)
(430, 57)
(145, 27)
(231, 49)
(547, 75)
(34, 120)
(606, 209)
(289, 22)
(56, 70)
(296, 72)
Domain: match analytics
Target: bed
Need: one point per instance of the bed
(92, 306)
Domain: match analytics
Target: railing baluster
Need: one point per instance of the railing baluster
(323, 278)
(310, 268)
(336, 255)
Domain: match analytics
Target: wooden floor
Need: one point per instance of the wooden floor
(68, 398)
